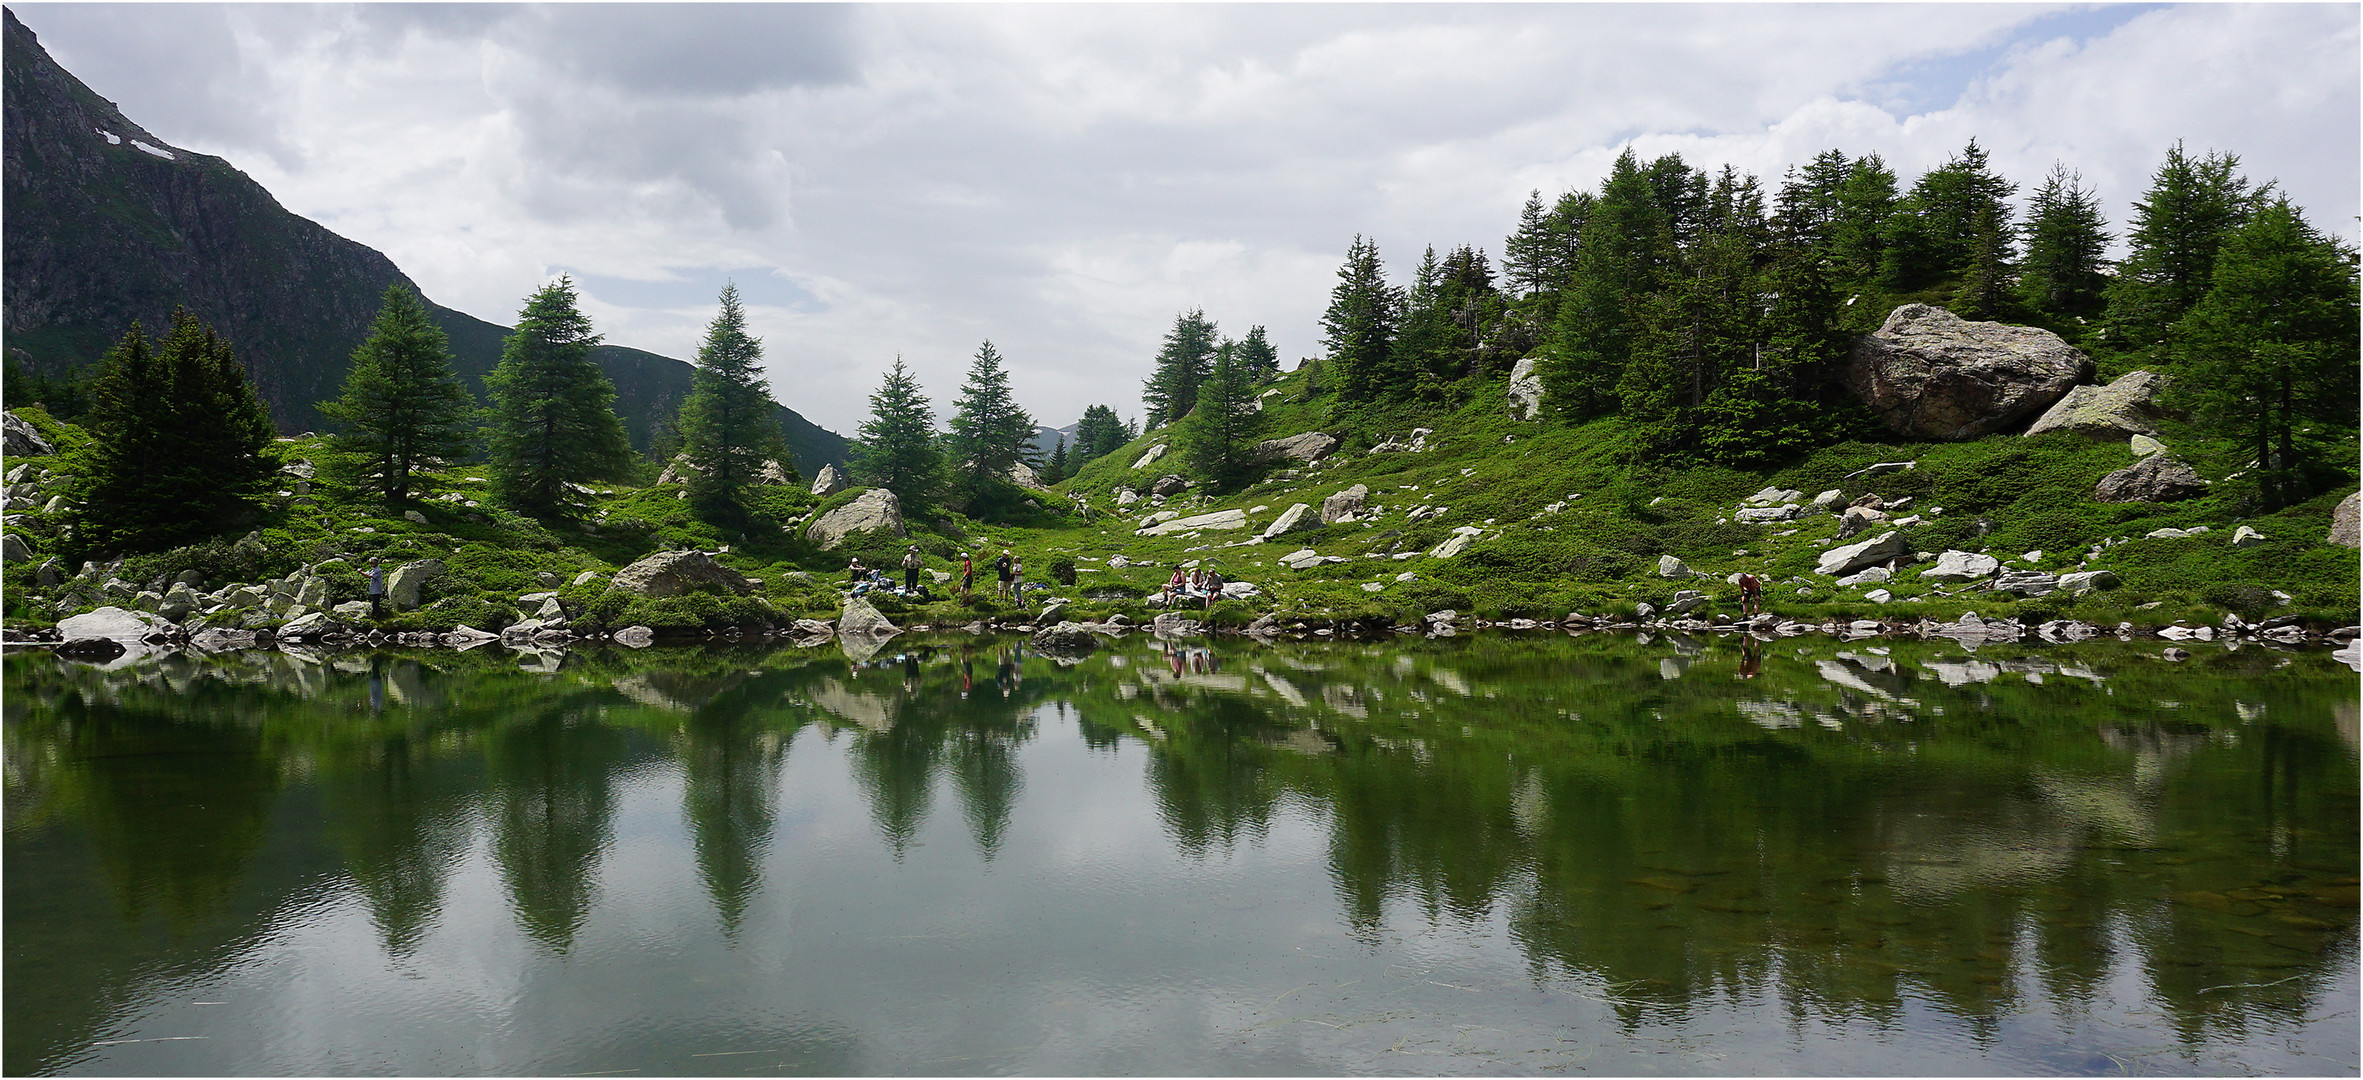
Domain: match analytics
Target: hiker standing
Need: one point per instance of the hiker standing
(1003, 567)
(911, 563)
(377, 589)
(967, 573)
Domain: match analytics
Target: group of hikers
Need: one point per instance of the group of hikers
(1009, 568)
(1204, 584)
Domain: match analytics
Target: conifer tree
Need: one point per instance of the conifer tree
(181, 435)
(726, 423)
(2064, 270)
(1360, 325)
(553, 414)
(1258, 357)
(1691, 336)
(898, 449)
(1941, 228)
(1527, 255)
(2191, 206)
(1182, 363)
(1218, 439)
(1628, 242)
(1057, 468)
(1098, 433)
(989, 433)
(403, 407)
(1987, 279)
(1858, 245)
(2272, 345)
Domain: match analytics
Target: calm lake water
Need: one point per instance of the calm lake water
(1491, 855)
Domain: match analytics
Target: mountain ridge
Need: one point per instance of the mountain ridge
(108, 225)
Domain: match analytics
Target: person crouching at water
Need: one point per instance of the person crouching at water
(1751, 594)
(911, 564)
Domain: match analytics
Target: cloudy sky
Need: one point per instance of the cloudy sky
(912, 180)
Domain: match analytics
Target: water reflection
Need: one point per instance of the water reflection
(1843, 830)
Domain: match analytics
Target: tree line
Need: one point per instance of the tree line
(1714, 316)
(181, 432)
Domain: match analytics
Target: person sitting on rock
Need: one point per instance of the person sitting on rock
(1174, 586)
(853, 571)
(1214, 587)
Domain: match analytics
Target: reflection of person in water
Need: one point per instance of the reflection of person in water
(910, 673)
(967, 676)
(1006, 677)
(1751, 656)
(1173, 659)
(377, 686)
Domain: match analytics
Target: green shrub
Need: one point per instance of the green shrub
(1063, 571)
(219, 561)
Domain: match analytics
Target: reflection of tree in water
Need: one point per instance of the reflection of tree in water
(732, 773)
(553, 778)
(397, 814)
(932, 725)
(1209, 775)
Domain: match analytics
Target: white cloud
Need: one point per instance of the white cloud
(1064, 179)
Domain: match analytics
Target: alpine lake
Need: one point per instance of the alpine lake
(946, 855)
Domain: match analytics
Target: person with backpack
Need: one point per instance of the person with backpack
(1005, 567)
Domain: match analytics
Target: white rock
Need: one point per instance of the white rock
(1961, 566)
(2144, 446)
(2246, 537)
(1150, 458)
(1220, 519)
(1878, 596)
(1852, 557)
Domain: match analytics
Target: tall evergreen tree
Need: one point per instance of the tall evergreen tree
(1057, 468)
(2192, 205)
(1098, 434)
(989, 433)
(1775, 402)
(1691, 336)
(727, 428)
(1218, 440)
(898, 449)
(1942, 227)
(1988, 277)
(1182, 363)
(403, 407)
(553, 412)
(1258, 357)
(1360, 324)
(1527, 254)
(1858, 244)
(2065, 267)
(1628, 243)
(2272, 345)
(181, 435)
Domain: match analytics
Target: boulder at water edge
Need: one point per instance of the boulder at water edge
(2120, 410)
(671, 573)
(404, 581)
(874, 510)
(113, 624)
(861, 619)
(1931, 375)
(1067, 638)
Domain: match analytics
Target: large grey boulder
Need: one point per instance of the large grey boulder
(1526, 391)
(1220, 519)
(1067, 638)
(1297, 517)
(1303, 449)
(1957, 567)
(14, 549)
(1170, 484)
(874, 510)
(403, 584)
(19, 438)
(1023, 475)
(1173, 625)
(1853, 557)
(671, 573)
(2120, 410)
(2346, 522)
(1344, 505)
(828, 481)
(2085, 581)
(2155, 479)
(864, 620)
(113, 624)
(1931, 375)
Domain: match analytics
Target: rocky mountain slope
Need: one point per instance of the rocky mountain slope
(108, 224)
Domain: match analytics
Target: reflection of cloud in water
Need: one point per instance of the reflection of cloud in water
(872, 711)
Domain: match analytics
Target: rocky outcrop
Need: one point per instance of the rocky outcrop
(1930, 375)
(1343, 505)
(1303, 449)
(1150, 456)
(1298, 517)
(1526, 391)
(1959, 567)
(2346, 522)
(828, 481)
(112, 624)
(1170, 484)
(671, 573)
(2155, 479)
(404, 582)
(1853, 557)
(874, 510)
(862, 620)
(1023, 475)
(19, 438)
(1065, 638)
(1220, 519)
(2121, 410)
(1174, 625)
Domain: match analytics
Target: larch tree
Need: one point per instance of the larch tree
(403, 408)
(1183, 361)
(899, 450)
(989, 434)
(553, 412)
(1360, 325)
(2270, 348)
(2191, 206)
(2065, 267)
(1258, 357)
(727, 425)
(181, 438)
(1218, 439)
